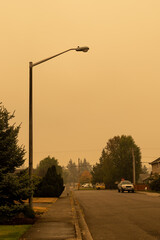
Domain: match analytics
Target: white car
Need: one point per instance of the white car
(87, 185)
(125, 186)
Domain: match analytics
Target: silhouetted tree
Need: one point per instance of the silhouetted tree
(72, 172)
(45, 164)
(14, 187)
(51, 185)
(144, 170)
(97, 173)
(11, 155)
(83, 165)
(116, 161)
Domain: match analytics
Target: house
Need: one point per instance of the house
(156, 166)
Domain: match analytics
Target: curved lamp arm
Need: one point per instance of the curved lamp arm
(80, 49)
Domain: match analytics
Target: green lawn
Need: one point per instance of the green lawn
(12, 232)
(89, 188)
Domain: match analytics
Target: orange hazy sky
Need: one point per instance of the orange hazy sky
(81, 100)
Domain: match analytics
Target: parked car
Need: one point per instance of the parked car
(125, 186)
(87, 185)
(100, 186)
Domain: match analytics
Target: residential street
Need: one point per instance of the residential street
(115, 216)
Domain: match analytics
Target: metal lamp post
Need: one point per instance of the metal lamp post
(31, 65)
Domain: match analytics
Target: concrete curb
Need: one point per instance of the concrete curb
(75, 218)
(152, 194)
(81, 225)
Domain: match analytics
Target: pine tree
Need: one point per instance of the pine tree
(13, 187)
(11, 155)
(51, 185)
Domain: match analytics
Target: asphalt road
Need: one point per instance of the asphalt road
(115, 216)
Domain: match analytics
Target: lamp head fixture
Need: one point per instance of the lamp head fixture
(82, 49)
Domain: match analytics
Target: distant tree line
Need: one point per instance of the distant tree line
(76, 172)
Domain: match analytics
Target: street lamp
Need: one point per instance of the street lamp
(31, 65)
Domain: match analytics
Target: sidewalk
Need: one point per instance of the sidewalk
(56, 224)
(152, 194)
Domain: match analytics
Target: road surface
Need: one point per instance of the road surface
(115, 216)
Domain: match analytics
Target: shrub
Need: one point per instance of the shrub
(8, 212)
(51, 185)
(14, 187)
(155, 184)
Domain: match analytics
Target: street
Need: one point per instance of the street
(115, 216)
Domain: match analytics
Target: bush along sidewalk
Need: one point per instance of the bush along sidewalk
(51, 184)
(16, 214)
(155, 185)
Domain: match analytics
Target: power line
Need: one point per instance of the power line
(60, 151)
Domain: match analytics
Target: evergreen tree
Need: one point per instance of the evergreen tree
(97, 172)
(11, 155)
(65, 174)
(51, 185)
(145, 170)
(13, 187)
(84, 166)
(72, 172)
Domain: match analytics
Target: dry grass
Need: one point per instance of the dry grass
(40, 210)
(43, 200)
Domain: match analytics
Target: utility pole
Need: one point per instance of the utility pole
(134, 170)
(78, 173)
(30, 132)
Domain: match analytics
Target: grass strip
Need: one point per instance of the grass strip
(12, 232)
(43, 200)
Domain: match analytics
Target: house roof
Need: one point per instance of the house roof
(155, 161)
